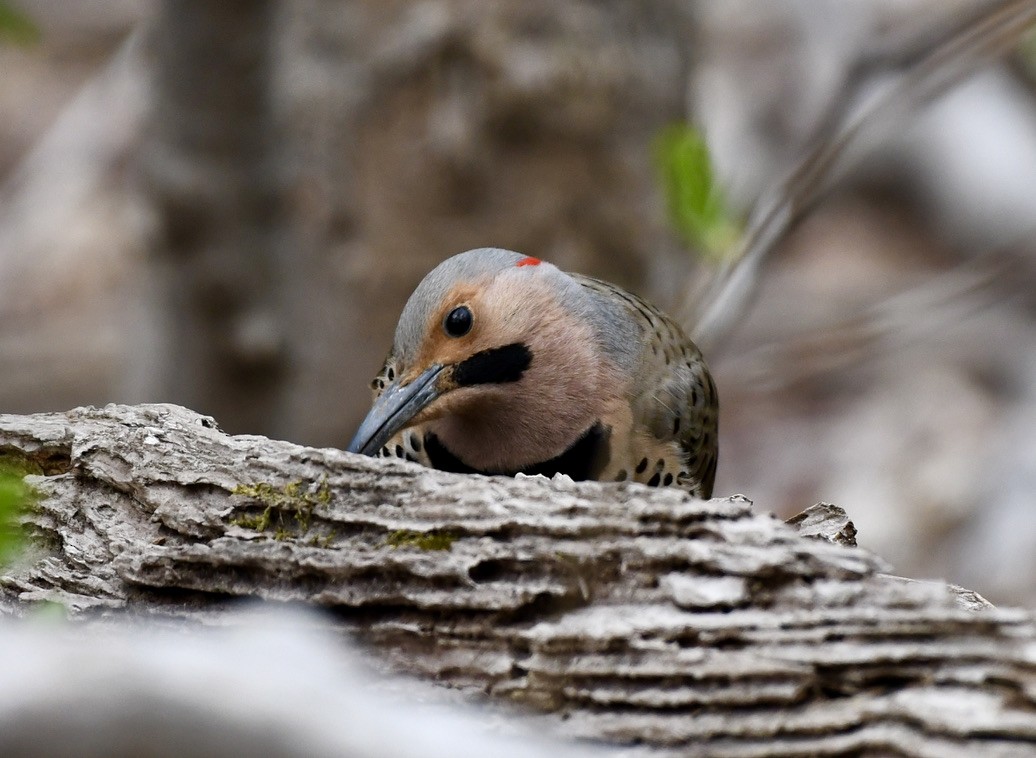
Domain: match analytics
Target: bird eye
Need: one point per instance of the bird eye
(458, 321)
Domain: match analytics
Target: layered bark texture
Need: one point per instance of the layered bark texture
(631, 615)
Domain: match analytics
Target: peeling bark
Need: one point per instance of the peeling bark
(640, 616)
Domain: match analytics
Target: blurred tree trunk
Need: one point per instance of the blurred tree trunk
(215, 342)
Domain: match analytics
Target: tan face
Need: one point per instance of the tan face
(512, 424)
(497, 319)
(519, 386)
(440, 347)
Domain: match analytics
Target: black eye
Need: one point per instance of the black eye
(458, 321)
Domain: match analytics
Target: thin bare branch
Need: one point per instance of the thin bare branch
(856, 123)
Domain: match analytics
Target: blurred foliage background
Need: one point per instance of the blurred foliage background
(225, 205)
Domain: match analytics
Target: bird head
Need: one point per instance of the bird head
(499, 355)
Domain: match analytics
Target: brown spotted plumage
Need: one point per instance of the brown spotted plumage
(504, 364)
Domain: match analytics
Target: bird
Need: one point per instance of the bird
(503, 364)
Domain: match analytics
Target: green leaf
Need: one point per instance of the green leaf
(697, 207)
(1027, 51)
(15, 497)
(16, 26)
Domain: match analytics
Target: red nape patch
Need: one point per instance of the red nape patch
(530, 261)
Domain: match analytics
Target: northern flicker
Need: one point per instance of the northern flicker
(503, 363)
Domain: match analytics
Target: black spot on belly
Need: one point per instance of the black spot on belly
(581, 461)
(441, 458)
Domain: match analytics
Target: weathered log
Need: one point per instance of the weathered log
(638, 616)
(272, 684)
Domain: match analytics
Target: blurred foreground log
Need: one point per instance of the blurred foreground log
(640, 617)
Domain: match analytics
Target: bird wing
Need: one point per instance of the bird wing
(673, 397)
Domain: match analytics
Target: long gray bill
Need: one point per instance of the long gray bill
(393, 409)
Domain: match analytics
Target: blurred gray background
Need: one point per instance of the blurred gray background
(225, 205)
